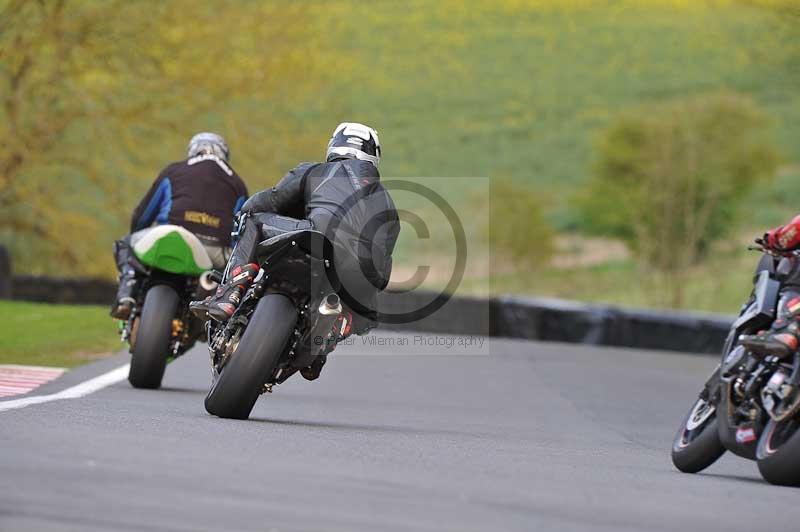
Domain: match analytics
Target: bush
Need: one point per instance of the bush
(670, 178)
(516, 228)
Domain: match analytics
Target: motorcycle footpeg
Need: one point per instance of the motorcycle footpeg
(199, 310)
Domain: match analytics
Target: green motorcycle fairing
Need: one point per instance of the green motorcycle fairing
(171, 248)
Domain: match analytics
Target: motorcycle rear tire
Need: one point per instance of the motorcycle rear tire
(234, 393)
(151, 350)
(779, 463)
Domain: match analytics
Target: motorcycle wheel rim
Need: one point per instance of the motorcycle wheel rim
(702, 412)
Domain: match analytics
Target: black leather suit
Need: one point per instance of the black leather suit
(345, 200)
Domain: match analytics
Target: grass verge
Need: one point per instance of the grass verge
(721, 284)
(55, 335)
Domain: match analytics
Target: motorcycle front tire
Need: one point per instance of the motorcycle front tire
(695, 449)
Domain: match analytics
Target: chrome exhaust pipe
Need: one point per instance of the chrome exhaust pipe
(330, 306)
(207, 281)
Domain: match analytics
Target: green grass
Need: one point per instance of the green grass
(622, 284)
(503, 90)
(720, 285)
(54, 335)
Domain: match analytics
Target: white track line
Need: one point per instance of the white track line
(79, 390)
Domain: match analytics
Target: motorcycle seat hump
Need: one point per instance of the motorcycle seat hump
(171, 248)
(312, 242)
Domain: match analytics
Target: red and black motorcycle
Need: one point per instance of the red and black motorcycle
(751, 404)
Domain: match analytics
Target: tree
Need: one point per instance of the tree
(92, 94)
(669, 179)
(517, 230)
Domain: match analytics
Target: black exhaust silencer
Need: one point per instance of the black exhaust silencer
(320, 338)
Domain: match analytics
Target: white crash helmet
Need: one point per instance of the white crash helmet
(354, 140)
(209, 144)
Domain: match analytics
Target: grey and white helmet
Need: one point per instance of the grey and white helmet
(209, 144)
(354, 140)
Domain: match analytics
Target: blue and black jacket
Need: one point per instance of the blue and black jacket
(202, 194)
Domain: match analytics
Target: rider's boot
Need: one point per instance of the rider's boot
(126, 298)
(128, 282)
(781, 342)
(224, 302)
(783, 338)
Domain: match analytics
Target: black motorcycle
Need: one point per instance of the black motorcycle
(283, 322)
(751, 404)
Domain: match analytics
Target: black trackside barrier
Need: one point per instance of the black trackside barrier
(508, 316)
(459, 315)
(5, 273)
(58, 290)
(565, 321)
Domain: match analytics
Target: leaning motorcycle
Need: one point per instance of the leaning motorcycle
(175, 269)
(283, 322)
(750, 405)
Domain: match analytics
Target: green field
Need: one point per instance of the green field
(55, 335)
(720, 286)
(521, 90)
(509, 89)
(502, 89)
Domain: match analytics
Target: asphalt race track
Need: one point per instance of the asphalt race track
(508, 436)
